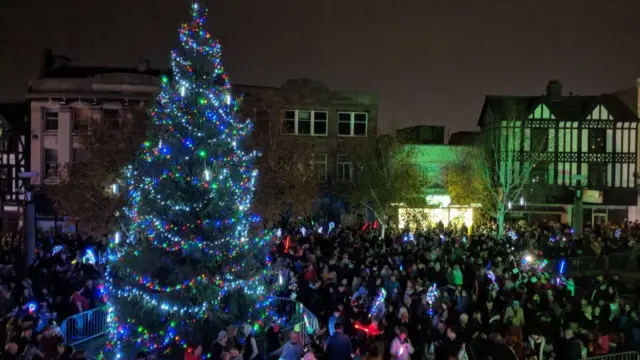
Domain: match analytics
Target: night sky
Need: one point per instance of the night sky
(430, 62)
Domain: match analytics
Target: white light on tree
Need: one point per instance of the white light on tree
(207, 175)
(117, 237)
(228, 99)
(522, 201)
(114, 188)
(509, 205)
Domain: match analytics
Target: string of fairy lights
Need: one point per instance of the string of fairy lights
(189, 195)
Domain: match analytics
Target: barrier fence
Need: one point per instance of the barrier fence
(299, 319)
(93, 323)
(84, 326)
(623, 262)
(630, 355)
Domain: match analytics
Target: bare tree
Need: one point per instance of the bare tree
(385, 176)
(287, 184)
(85, 191)
(497, 172)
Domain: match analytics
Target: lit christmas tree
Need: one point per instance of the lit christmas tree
(187, 253)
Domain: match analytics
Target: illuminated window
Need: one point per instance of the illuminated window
(305, 122)
(352, 123)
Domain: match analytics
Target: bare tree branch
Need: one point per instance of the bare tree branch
(286, 181)
(497, 172)
(385, 176)
(83, 193)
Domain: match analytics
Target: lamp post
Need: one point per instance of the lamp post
(577, 217)
(28, 220)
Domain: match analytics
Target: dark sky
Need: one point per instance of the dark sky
(431, 62)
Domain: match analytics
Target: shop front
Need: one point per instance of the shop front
(438, 209)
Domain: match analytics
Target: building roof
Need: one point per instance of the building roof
(14, 114)
(565, 108)
(463, 137)
(79, 72)
(630, 98)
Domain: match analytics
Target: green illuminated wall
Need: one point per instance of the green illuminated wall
(431, 161)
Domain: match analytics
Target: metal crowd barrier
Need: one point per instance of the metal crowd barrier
(84, 326)
(630, 355)
(298, 318)
(617, 261)
(93, 323)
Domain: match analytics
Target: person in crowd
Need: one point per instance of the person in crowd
(219, 346)
(291, 350)
(401, 348)
(338, 345)
(193, 353)
(250, 351)
(334, 319)
(232, 337)
(456, 290)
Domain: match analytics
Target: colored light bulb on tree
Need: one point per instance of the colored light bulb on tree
(188, 250)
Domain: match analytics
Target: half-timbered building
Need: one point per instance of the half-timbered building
(577, 141)
(14, 157)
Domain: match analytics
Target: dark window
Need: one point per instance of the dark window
(539, 173)
(304, 122)
(50, 119)
(320, 122)
(352, 124)
(4, 142)
(289, 122)
(597, 175)
(261, 121)
(5, 182)
(539, 140)
(360, 124)
(597, 140)
(50, 162)
(319, 127)
(80, 155)
(319, 164)
(111, 118)
(81, 119)
(345, 168)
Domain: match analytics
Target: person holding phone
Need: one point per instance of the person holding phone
(401, 348)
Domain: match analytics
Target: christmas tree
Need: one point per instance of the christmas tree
(186, 252)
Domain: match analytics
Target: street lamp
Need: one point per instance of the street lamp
(29, 219)
(577, 216)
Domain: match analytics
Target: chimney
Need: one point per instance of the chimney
(48, 61)
(554, 90)
(143, 65)
(638, 97)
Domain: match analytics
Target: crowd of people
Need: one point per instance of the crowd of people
(35, 299)
(445, 293)
(437, 293)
